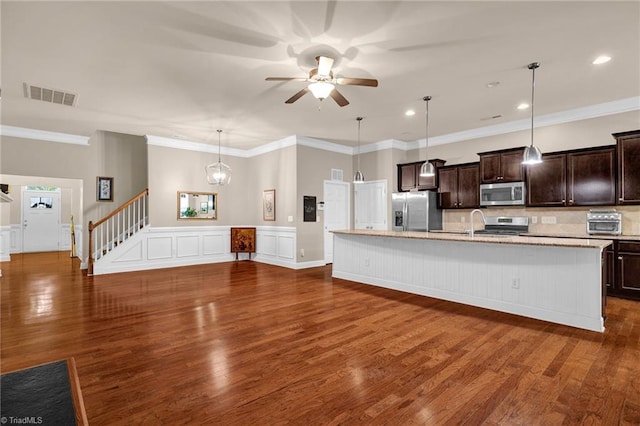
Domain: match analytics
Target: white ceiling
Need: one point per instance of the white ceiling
(184, 69)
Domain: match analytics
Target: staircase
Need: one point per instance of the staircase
(117, 227)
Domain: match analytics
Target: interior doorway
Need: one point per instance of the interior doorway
(336, 213)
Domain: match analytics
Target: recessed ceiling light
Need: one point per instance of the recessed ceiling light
(410, 113)
(601, 60)
(493, 84)
(523, 106)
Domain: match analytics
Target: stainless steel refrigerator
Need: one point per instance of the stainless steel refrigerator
(415, 211)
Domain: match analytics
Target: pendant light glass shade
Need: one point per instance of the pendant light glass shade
(218, 173)
(358, 177)
(427, 169)
(532, 154)
(321, 89)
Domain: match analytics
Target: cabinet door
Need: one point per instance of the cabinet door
(468, 187)
(407, 177)
(629, 170)
(448, 191)
(629, 272)
(490, 168)
(370, 205)
(546, 181)
(591, 178)
(511, 167)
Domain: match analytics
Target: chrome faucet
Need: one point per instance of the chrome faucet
(471, 220)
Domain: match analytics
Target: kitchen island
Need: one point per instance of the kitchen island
(551, 279)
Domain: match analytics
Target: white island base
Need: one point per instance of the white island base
(543, 278)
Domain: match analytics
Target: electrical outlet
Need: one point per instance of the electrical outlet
(548, 219)
(534, 219)
(462, 219)
(366, 261)
(289, 219)
(515, 283)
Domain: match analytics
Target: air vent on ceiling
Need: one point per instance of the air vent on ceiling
(336, 174)
(48, 95)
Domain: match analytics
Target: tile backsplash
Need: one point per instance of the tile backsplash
(568, 220)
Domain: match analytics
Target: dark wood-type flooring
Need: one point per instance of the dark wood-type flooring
(244, 343)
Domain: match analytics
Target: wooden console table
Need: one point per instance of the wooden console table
(243, 240)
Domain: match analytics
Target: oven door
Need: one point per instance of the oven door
(607, 227)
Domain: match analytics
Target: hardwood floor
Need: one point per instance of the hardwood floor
(247, 343)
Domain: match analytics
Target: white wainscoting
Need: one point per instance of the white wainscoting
(556, 284)
(5, 243)
(154, 248)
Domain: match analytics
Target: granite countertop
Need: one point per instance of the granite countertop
(484, 238)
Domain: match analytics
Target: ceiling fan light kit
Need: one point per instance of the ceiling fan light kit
(322, 83)
(532, 154)
(321, 89)
(218, 173)
(427, 169)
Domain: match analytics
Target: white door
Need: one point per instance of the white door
(336, 213)
(40, 221)
(370, 205)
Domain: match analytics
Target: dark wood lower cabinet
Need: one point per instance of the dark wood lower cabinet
(625, 263)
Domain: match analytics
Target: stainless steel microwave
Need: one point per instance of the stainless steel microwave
(502, 194)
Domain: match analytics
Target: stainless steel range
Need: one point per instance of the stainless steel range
(607, 222)
(505, 225)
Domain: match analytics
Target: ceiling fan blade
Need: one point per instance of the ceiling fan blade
(296, 96)
(286, 79)
(371, 82)
(337, 96)
(324, 65)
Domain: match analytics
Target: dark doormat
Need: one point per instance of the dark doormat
(48, 394)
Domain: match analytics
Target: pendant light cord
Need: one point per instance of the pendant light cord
(426, 99)
(533, 67)
(359, 121)
(219, 131)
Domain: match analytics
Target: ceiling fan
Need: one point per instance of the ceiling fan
(323, 84)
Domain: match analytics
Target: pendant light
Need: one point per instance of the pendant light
(532, 154)
(218, 173)
(427, 169)
(358, 177)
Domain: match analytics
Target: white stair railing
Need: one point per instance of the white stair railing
(117, 227)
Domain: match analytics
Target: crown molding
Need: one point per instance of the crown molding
(593, 111)
(43, 135)
(193, 146)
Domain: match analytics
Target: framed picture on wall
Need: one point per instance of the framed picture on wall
(269, 204)
(104, 188)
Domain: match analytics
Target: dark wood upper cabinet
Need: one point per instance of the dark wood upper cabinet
(584, 177)
(409, 178)
(469, 186)
(501, 166)
(459, 186)
(546, 182)
(628, 167)
(591, 177)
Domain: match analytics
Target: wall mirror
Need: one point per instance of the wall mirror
(197, 205)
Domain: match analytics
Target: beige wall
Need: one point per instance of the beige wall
(274, 170)
(122, 157)
(294, 172)
(577, 134)
(172, 170)
(314, 167)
